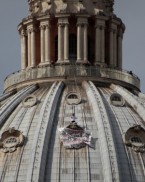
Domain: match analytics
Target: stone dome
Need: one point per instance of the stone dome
(67, 116)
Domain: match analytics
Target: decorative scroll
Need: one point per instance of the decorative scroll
(74, 136)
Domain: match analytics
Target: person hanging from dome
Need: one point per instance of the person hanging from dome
(73, 119)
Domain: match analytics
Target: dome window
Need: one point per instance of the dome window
(29, 101)
(11, 140)
(117, 100)
(135, 138)
(73, 98)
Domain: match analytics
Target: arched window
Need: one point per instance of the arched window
(73, 98)
(136, 140)
(117, 100)
(72, 47)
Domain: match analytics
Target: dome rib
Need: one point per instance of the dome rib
(11, 103)
(130, 98)
(42, 134)
(107, 146)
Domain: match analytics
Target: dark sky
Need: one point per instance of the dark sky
(130, 11)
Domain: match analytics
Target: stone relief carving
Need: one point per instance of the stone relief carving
(135, 138)
(101, 7)
(81, 7)
(62, 8)
(38, 6)
(11, 140)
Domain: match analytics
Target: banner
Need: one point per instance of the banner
(74, 136)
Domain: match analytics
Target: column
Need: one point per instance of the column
(79, 43)
(97, 45)
(60, 42)
(111, 52)
(120, 35)
(85, 43)
(42, 27)
(33, 59)
(47, 44)
(102, 46)
(29, 48)
(66, 42)
(23, 50)
(115, 48)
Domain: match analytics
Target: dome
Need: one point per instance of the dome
(67, 115)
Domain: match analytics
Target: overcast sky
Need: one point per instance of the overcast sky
(130, 11)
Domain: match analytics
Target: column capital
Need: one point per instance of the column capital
(44, 23)
(47, 26)
(63, 21)
(112, 30)
(31, 29)
(42, 27)
(23, 32)
(82, 21)
(120, 33)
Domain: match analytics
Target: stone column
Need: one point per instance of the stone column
(79, 43)
(115, 48)
(66, 42)
(102, 44)
(33, 59)
(120, 36)
(85, 43)
(97, 45)
(82, 40)
(111, 52)
(60, 42)
(42, 28)
(29, 47)
(23, 50)
(47, 44)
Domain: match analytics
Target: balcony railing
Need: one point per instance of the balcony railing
(70, 72)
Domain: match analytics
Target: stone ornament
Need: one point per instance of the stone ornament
(135, 138)
(38, 6)
(11, 140)
(117, 100)
(29, 101)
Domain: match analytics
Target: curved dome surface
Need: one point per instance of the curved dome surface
(71, 114)
(43, 157)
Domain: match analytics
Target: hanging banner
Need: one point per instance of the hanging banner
(74, 136)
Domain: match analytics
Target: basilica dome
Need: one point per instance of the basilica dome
(72, 113)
